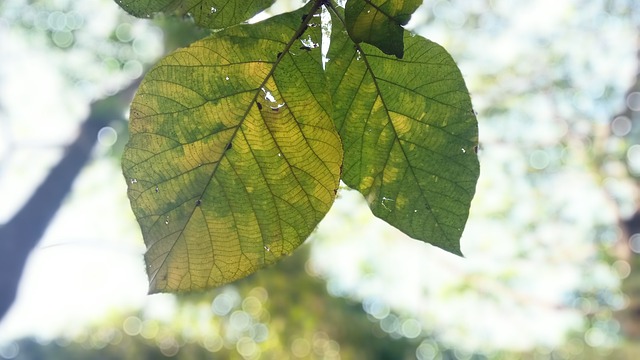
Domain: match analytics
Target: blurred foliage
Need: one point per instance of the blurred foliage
(279, 313)
(294, 309)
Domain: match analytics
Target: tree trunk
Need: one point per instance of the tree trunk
(21, 234)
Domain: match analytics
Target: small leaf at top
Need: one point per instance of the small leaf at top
(409, 134)
(233, 158)
(212, 14)
(379, 23)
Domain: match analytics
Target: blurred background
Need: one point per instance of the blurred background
(551, 270)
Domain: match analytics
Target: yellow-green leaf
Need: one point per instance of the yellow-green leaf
(379, 22)
(212, 14)
(409, 134)
(233, 157)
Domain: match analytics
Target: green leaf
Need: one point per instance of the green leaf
(409, 134)
(212, 14)
(379, 23)
(233, 157)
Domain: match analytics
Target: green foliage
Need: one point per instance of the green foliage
(212, 14)
(236, 142)
(379, 23)
(409, 141)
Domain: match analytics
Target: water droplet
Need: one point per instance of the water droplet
(226, 78)
(166, 221)
(415, 211)
(267, 248)
(279, 155)
(157, 190)
(214, 10)
(463, 151)
(133, 181)
(358, 55)
(198, 202)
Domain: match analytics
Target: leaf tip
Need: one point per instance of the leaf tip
(452, 249)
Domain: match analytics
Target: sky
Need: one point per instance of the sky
(541, 74)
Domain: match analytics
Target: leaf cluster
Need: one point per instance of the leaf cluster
(238, 142)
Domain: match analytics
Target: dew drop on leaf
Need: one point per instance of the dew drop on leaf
(198, 202)
(226, 78)
(267, 248)
(166, 221)
(214, 10)
(157, 189)
(133, 181)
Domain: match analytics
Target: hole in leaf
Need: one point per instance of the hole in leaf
(268, 95)
(276, 108)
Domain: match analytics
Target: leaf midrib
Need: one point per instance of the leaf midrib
(396, 139)
(301, 29)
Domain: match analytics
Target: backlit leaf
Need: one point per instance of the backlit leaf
(212, 14)
(379, 22)
(409, 135)
(233, 157)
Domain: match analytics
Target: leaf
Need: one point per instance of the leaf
(233, 157)
(212, 14)
(409, 135)
(379, 23)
